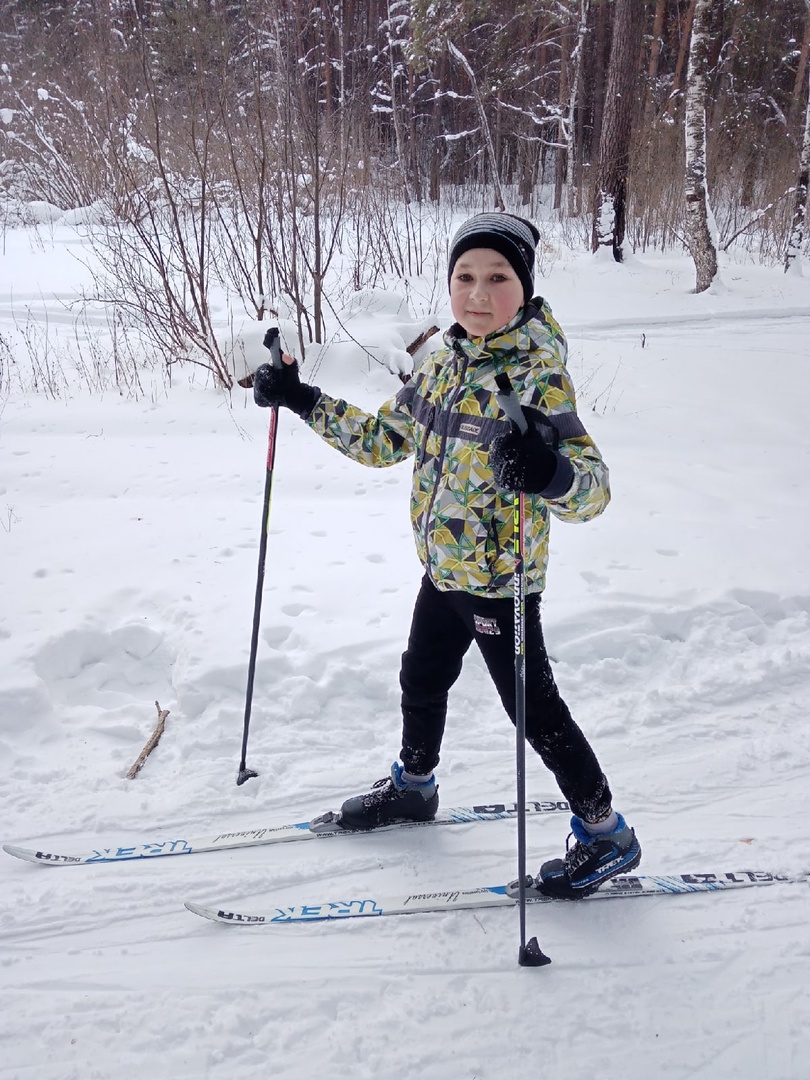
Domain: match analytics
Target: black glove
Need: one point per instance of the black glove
(281, 386)
(523, 462)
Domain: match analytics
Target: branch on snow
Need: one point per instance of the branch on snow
(154, 739)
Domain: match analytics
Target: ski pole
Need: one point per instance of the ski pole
(271, 342)
(529, 954)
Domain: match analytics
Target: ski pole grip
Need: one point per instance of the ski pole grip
(509, 402)
(272, 341)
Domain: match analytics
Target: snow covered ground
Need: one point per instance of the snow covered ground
(680, 627)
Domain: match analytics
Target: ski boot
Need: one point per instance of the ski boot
(592, 860)
(391, 801)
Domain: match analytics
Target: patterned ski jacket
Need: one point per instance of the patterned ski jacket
(446, 417)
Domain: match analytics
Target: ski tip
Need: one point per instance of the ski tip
(42, 858)
(27, 854)
(531, 955)
(198, 909)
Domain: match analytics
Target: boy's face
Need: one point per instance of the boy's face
(485, 292)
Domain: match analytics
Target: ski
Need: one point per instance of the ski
(275, 834)
(487, 897)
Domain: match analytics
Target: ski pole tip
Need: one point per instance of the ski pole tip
(531, 955)
(245, 774)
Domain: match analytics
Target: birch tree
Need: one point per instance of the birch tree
(797, 230)
(699, 221)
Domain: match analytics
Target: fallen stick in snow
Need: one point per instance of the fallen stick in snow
(154, 739)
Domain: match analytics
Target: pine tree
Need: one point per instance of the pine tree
(610, 202)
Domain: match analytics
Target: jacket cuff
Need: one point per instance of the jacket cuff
(306, 399)
(562, 480)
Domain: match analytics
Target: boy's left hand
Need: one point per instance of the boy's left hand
(522, 462)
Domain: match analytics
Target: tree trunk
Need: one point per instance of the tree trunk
(700, 240)
(574, 159)
(396, 113)
(561, 157)
(435, 142)
(804, 52)
(415, 156)
(683, 51)
(598, 83)
(797, 230)
(617, 127)
(656, 44)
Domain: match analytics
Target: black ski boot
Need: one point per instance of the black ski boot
(390, 801)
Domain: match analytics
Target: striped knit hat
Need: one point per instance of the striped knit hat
(513, 237)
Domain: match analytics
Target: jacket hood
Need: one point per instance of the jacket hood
(533, 326)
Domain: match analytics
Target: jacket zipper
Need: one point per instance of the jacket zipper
(420, 458)
(459, 352)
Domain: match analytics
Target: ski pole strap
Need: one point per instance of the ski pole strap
(510, 403)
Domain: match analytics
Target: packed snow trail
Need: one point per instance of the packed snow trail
(679, 623)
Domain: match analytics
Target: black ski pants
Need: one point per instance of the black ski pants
(444, 626)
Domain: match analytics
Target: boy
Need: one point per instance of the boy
(469, 461)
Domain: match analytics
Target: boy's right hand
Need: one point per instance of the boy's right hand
(522, 462)
(282, 386)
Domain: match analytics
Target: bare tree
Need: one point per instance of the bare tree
(563, 129)
(486, 133)
(573, 157)
(395, 29)
(701, 242)
(567, 162)
(610, 201)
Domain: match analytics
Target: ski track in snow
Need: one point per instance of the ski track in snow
(679, 624)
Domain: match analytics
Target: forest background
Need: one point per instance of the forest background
(271, 157)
